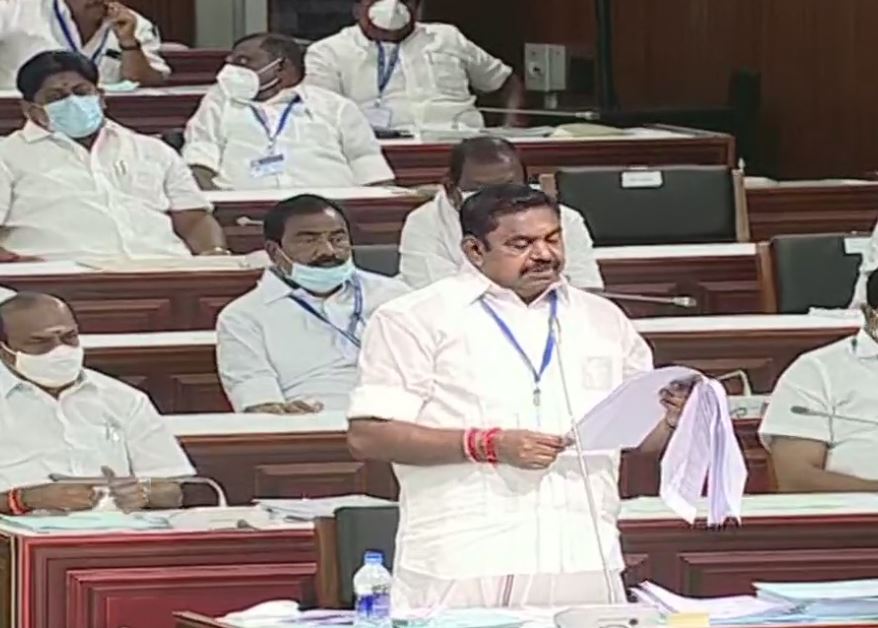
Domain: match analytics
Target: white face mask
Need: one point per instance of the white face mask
(390, 15)
(57, 368)
(240, 83)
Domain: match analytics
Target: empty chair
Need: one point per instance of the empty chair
(378, 258)
(664, 205)
(798, 272)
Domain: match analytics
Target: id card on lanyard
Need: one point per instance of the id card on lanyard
(66, 30)
(274, 162)
(349, 334)
(380, 116)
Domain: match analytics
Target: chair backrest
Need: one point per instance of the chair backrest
(378, 258)
(663, 205)
(359, 530)
(809, 270)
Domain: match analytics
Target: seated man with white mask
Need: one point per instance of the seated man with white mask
(77, 186)
(821, 426)
(405, 74)
(290, 346)
(72, 435)
(260, 127)
(430, 241)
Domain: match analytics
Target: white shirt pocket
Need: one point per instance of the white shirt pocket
(449, 74)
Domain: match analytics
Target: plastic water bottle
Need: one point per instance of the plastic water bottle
(372, 593)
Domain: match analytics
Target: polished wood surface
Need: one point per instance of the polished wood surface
(195, 67)
(140, 580)
(183, 378)
(132, 302)
(7, 565)
(319, 464)
(175, 19)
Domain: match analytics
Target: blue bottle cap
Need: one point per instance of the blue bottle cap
(373, 558)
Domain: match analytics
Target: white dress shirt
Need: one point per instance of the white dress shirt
(271, 350)
(59, 201)
(98, 422)
(327, 142)
(436, 358)
(430, 250)
(33, 26)
(431, 84)
(842, 379)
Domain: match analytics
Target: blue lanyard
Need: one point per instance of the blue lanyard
(282, 123)
(357, 317)
(385, 68)
(548, 351)
(71, 43)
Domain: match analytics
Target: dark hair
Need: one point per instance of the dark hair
(482, 149)
(872, 290)
(282, 46)
(275, 222)
(17, 302)
(479, 213)
(34, 72)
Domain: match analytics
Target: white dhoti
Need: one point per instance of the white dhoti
(414, 591)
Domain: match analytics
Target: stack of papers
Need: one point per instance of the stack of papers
(844, 600)
(92, 521)
(310, 509)
(720, 610)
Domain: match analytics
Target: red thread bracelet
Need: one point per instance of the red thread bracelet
(15, 502)
(491, 445)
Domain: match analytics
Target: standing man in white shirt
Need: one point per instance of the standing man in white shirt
(72, 435)
(405, 74)
(76, 186)
(829, 443)
(431, 236)
(290, 346)
(123, 44)
(467, 387)
(260, 127)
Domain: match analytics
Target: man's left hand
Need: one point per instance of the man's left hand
(675, 396)
(128, 493)
(124, 23)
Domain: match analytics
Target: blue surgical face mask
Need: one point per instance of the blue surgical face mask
(76, 116)
(320, 279)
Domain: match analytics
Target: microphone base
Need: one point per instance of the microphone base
(608, 616)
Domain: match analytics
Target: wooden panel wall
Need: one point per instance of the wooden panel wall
(816, 58)
(175, 18)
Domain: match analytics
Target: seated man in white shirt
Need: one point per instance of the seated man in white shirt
(430, 241)
(260, 127)
(76, 186)
(466, 387)
(71, 435)
(821, 427)
(406, 75)
(121, 42)
(290, 346)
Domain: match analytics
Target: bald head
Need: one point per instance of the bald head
(35, 323)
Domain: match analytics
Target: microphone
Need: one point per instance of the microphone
(686, 302)
(590, 115)
(222, 500)
(586, 475)
(246, 221)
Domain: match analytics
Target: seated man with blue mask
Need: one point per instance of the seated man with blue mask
(290, 346)
(75, 185)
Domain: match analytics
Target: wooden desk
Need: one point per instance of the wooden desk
(308, 457)
(178, 369)
(772, 547)
(138, 580)
(198, 66)
(722, 278)
(811, 209)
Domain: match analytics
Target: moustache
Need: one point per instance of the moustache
(541, 267)
(327, 262)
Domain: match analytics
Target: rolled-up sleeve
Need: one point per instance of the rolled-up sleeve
(147, 34)
(244, 368)
(486, 72)
(180, 187)
(803, 384)
(361, 148)
(153, 451)
(203, 135)
(395, 370)
(582, 268)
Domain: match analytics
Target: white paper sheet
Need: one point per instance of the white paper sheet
(310, 509)
(630, 413)
(717, 608)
